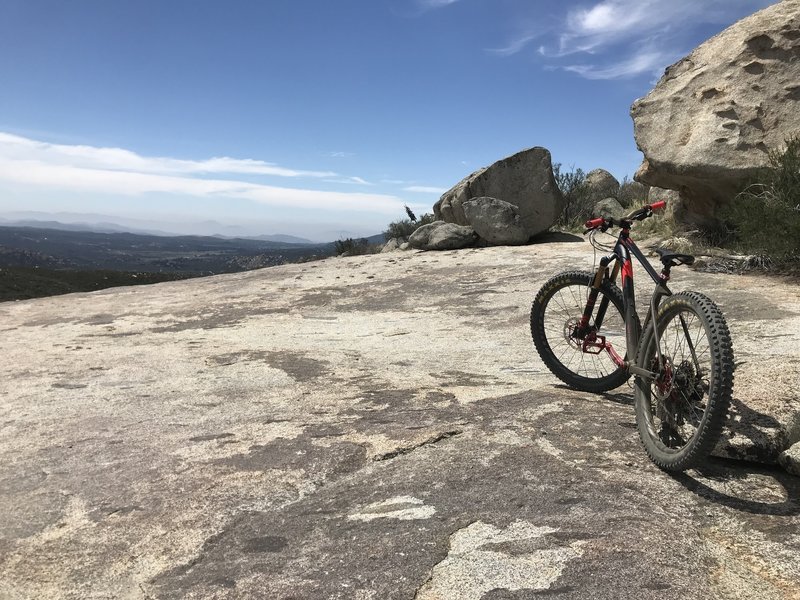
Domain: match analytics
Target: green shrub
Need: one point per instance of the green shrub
(405, 227)
(353, 247)
(765, 217)
(577, 196)
(632, 193)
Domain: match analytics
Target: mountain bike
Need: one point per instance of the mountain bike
(588, 333)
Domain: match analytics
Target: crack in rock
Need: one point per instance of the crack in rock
(408, 449)
(402, 508)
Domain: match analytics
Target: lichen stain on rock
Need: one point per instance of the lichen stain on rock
(297, 365)
(474, 567)
(337, 459)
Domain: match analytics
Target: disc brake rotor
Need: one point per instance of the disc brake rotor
(569, 330)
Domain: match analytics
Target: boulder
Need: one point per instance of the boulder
(608, 208)
(601, 184)
(391, 246)
(675, 207)
(496, 221)
(524, 180)
(711, 120)
(442, 236)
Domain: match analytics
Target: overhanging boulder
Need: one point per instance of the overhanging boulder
(708, 125)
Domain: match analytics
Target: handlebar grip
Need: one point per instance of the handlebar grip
(658, 205)
(593, 223)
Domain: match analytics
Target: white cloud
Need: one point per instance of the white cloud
(115, 171)
(626, 37)
(613, 22)
(647, 62)
(124, 160)
(424, 189)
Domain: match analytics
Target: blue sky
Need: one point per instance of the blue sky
(317, 118)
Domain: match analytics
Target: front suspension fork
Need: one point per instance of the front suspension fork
(594, 291)
(591, 343)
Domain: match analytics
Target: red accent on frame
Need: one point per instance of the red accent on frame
(618, 360)
(627, 270)
(596, 344)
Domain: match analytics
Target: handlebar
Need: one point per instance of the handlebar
(640, 214)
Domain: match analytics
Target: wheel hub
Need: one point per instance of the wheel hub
(677, 389)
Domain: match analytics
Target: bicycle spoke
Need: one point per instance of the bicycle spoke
(679, 400)
(563, 313)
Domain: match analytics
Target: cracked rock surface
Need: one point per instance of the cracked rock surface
(374, 428)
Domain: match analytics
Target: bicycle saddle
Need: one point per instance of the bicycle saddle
(670, 259)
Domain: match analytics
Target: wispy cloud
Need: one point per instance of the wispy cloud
(431, 4)
(125, 160)
(349, 181)
(626, 38)
(116, 171)
(514, 46)
(424, 189)
(647, 62)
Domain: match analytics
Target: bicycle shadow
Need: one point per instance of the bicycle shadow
(625, 398)
(731, 475)
(723, 480)
(555, 236)
(764, 432)
(765, 436)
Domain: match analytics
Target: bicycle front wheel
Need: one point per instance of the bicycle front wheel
(680, 413)
(580, 358)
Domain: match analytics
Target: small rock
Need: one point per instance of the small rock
(442, 236)
(789, 459)
(609, 208)
(391, 246)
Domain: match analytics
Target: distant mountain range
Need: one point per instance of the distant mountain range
(40, 258)
(25, 246)
(287, 239)
(97, 224)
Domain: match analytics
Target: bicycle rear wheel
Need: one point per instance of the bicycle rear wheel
(680, 413)
(577, 359)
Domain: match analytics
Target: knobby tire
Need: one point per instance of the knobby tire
(579, 370)
(681, 413)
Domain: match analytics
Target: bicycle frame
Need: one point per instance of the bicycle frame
(624, 250)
